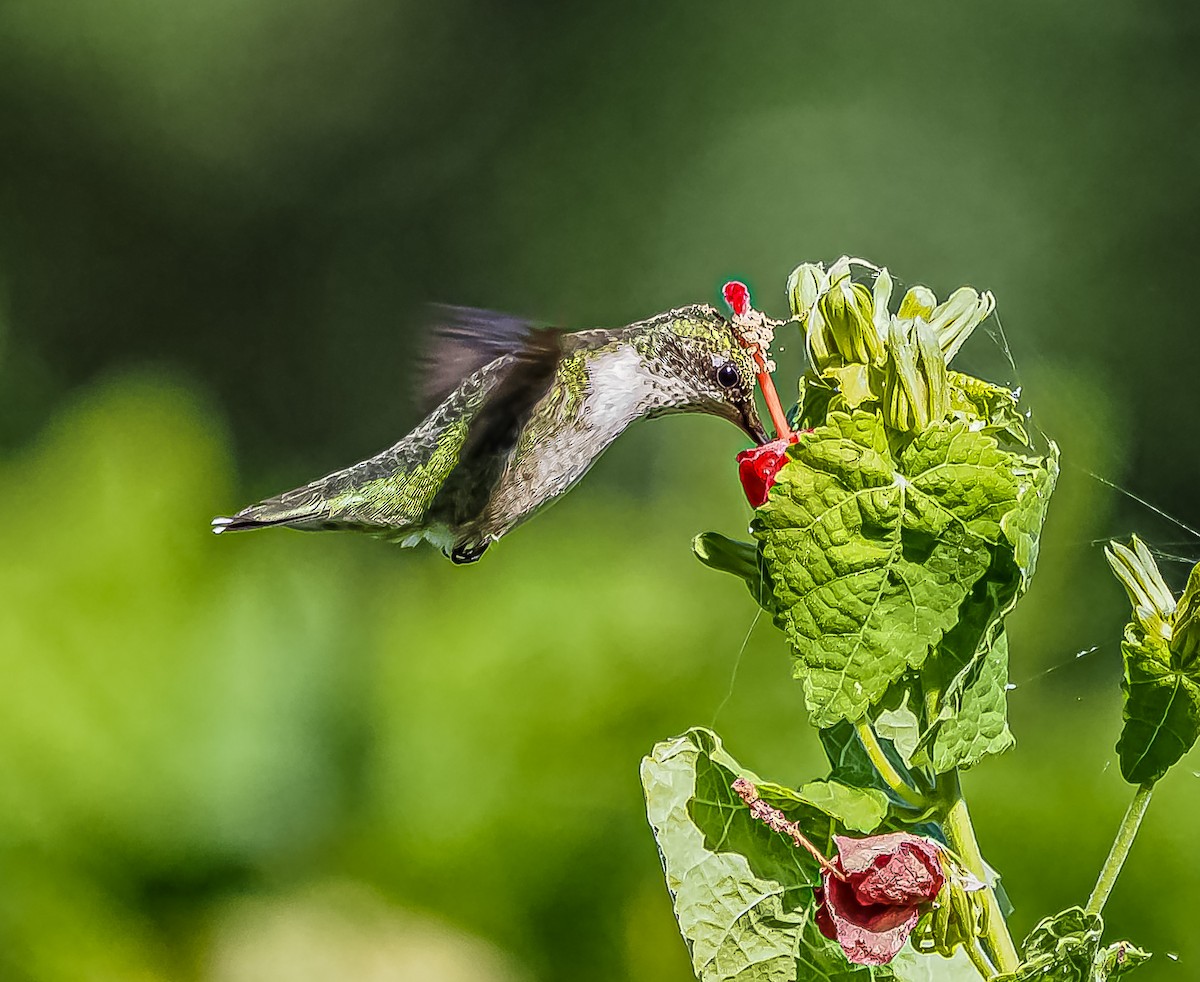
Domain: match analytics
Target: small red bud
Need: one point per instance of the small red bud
(737, 295)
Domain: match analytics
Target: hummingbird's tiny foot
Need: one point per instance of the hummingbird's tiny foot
(461, 555)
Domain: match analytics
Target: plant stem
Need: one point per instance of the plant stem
(979, 959)
(961, 835)
(1120, 848)
(891, 777)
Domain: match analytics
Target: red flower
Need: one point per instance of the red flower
(758, 466)
(873, 911)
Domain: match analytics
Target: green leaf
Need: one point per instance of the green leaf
(976, 400)
(1067, 942)
(978, 724)
(814, 397)
(900, 725)
(742, 894)
(850, 765)
(969, 671)
(857, 809)
(870, 555)
(1022, 527)
(847, 758)
(1066, 948)
(967, 676)
(912, 966)
(1162, 707)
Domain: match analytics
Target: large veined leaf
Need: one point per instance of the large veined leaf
(977, 723)
(871, 552)
(1162, 708)
(970, 667)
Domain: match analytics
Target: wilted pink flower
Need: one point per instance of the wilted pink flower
(874, 909)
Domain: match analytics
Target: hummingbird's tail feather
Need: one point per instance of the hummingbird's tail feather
(367, 497)
(301, 509)
(257, 517)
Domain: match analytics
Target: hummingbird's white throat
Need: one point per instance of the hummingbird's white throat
(621, 387)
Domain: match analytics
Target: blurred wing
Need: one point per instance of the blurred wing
(528, 375)
(462, 340)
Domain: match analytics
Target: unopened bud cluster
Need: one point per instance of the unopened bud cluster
(866, 353)
(958, 917)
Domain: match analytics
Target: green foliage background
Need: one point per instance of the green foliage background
(318, 757)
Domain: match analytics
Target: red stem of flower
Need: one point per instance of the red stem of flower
(775, 820)
(778, 417)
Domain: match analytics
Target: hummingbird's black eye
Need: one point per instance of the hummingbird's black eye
(728, 375)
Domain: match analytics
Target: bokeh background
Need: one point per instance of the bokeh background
(319, 757)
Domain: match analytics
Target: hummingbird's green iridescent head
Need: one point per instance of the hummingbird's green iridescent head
(697, 354)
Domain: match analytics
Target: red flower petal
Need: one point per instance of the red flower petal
(737, 295)
(873, 911)
(758, 466)
(824, 919)
(869, 934)
(897, 868)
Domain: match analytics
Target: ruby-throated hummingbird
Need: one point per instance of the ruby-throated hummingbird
(520, 415)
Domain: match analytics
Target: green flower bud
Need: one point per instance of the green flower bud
(954, 320)
(902, 389)
(843, 325)
(849, 311)
(916, 389)
(1155, 610)
(881, 297)
(821, 349)
(804, 287)
(931, 363)
(1185, 640)
(1152, 600)
(919, 301)
(959, 915)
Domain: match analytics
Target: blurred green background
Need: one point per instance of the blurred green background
(320, 757)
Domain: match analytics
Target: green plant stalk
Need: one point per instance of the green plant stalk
(1120, 848)
(890, 775)
(979, 959)
(960, 833)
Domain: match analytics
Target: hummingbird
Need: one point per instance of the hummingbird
(519, 414)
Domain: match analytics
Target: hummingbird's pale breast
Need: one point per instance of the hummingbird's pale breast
(569, 430)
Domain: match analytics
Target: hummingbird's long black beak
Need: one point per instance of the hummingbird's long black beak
(752, 424)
